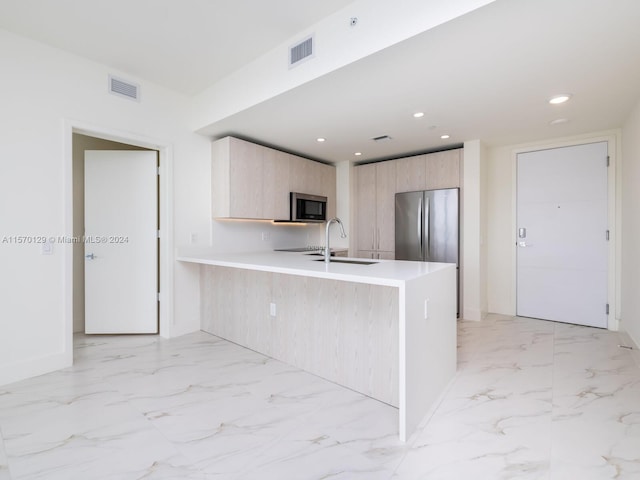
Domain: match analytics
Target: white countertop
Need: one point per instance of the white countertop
(383, 272)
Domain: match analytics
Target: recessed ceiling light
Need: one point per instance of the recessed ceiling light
(418, 114)
(558, 99)
(445, 136)
(357, 154)
(320, 139)
(559, 121)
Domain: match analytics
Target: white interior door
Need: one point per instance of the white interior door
(562, 234)
(121, 242)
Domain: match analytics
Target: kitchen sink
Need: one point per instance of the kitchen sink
(354, 262)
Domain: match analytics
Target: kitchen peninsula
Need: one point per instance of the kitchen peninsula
(385, 328)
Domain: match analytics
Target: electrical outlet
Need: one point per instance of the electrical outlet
(272, 309)
(194, 238)
(265, 236)
(46, 248)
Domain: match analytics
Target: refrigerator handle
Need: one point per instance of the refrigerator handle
(427, 218)
(420, 229)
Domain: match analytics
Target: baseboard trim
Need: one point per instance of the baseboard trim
(629, 341)
(472, 315)
(15, 372)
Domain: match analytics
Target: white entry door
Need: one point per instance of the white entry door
(121, 241)
(562, 234)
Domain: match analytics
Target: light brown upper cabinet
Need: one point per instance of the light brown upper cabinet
(275, 181)
(375, 210)
(443, 169)
(430, 171)
(252, 181)
(411, 173)
(314, 178)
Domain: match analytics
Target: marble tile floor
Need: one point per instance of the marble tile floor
(531, 400)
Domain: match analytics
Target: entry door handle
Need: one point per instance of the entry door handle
(524, 244)
(90, 256)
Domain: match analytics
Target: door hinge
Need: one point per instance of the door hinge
(607, 309)
(158, 170)
(158, 233)
(608, 160)
(607, 235)
(158, 297)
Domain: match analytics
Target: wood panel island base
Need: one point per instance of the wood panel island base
(387, 330)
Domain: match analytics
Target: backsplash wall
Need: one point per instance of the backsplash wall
(232, 236)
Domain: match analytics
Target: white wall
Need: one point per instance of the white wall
(473, 251)
(343, 203)
(630, 298)
(501, 219)
(43, 89)
(232, 236)
(500, 227)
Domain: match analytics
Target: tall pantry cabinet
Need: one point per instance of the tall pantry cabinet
(375, 210)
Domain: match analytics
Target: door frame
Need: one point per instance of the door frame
(613, 180)
(165, 200)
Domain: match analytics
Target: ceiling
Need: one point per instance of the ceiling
(185, 45)
(486, 75)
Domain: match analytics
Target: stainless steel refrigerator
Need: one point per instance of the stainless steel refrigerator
(427, 226)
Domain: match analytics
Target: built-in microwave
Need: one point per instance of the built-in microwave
(308, 208)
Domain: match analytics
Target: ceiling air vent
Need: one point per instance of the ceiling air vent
(301, 51)
(124, 89)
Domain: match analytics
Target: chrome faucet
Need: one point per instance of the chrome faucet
(327, 250)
